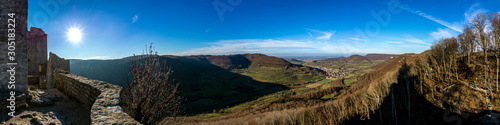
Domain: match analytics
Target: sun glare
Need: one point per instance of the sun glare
(74, 35)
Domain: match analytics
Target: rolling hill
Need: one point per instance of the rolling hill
(211, 82)
(355, 58)
(295, 61)
(354, 61)
(378, 56)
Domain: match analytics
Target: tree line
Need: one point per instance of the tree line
(479, 35)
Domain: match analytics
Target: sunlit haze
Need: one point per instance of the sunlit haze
(74, 35)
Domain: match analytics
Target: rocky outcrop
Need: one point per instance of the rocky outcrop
(101, 98)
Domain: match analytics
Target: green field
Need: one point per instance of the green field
(330, 96)
(269, 74)
(348, 81)
(291, 77)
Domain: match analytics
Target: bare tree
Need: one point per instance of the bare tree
(464, 49)
(437, 57)
(451, 49)
(467, 44)
(495, 32)
(479, 24)
(151, 94)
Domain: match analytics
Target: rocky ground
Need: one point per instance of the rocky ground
(50, 106)
(35, 118)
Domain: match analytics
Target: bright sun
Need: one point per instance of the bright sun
(74, 35)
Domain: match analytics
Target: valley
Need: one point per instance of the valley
(217, 86)
(248, 87)
(211, 83)
(238, 62)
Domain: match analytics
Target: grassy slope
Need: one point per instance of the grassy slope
(292, 76)
(268, 99)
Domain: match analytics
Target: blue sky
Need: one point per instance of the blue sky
(117, 29)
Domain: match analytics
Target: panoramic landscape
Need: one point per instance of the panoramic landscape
(239, 62)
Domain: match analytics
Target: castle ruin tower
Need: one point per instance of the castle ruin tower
(37, 57)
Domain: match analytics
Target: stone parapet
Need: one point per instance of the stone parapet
(101, 98)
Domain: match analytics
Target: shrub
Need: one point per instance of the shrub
(151, 94)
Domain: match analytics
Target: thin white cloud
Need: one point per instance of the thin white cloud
(95, 57)
(324, 35)
(277, 46)
(441, 34)
(455, 26)
(357, 39)
(135, 18)
(416, 41)
(473, 11)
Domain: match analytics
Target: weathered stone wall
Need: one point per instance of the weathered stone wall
(37, 51)
(55, 63)
(101, 98)
(20, 8)
(37, 56)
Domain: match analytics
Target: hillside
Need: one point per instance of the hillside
(331, 105)
(211, 82)
(393, 93)
(378, 56)
(356, 58)
(354, 61)
(295, 61)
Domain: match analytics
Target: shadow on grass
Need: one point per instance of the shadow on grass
(404, 105)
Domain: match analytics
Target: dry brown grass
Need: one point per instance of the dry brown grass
(456, 94)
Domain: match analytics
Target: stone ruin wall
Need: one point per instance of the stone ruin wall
(54, 63)
(37, 57)
(20, 8)
(101, 98)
